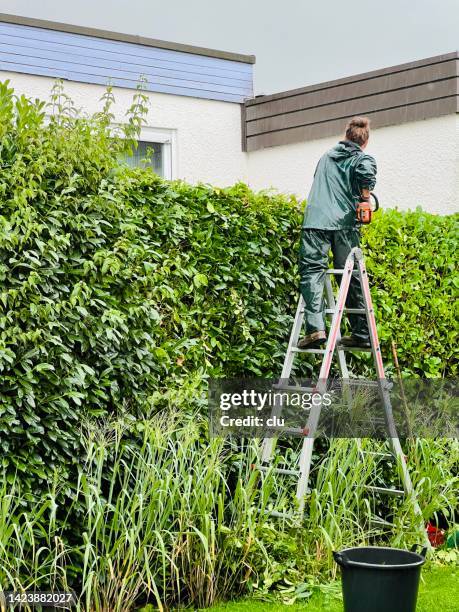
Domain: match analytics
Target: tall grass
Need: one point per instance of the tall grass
(164, 515)
(162, 521)
(33, 555)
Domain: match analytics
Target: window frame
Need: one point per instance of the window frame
(168, 139)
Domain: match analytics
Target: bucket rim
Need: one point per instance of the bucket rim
(420, 560)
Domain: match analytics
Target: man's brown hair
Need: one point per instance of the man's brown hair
(358, 130)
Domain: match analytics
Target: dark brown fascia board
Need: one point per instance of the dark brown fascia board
(243, 128)
(429, 61)
(396, 116)
(131, 38)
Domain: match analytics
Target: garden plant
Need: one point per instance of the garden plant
(121, 294)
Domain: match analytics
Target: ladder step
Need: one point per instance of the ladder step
(356, 349)
(295, 349)
(296, 431)
(284, 515)
(392, 492)
(375, 454)
(339, 347)
(331, 311)
(339, 271)
(267, 468)
(371, 383)
(293, 388)
(378, 521)
(353, 382)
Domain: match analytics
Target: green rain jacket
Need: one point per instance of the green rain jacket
(340, 176)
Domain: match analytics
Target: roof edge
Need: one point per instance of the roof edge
(362, 76)
(131, 38)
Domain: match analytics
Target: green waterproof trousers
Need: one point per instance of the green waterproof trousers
(313, 263)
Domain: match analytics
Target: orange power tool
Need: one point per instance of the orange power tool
(365, 210)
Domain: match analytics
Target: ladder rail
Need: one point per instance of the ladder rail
(332, 305)
(370, 314)
(268, 443)
(293, 340)
(337, 317)
(305, 460)
(385, 395)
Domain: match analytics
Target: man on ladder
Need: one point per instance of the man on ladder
(338, 203)
(344, 176)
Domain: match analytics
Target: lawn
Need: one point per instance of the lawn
(438, 591)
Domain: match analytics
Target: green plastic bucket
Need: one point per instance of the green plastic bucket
(380, 579)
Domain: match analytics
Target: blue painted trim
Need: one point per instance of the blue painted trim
(88, 46)
(24, 53)
(129, 84)
(87, 59)
(107, 74)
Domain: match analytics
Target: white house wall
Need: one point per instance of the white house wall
(207, 133)
(417, 161)
(418, 165)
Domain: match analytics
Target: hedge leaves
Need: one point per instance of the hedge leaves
(119, 288)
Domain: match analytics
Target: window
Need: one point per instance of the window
(157, 148)
(147, 154)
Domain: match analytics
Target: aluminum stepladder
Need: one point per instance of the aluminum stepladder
(355, 264)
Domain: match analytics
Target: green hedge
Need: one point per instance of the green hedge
(118, 288)
(412, 260)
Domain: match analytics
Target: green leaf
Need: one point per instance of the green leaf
(200, 280)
